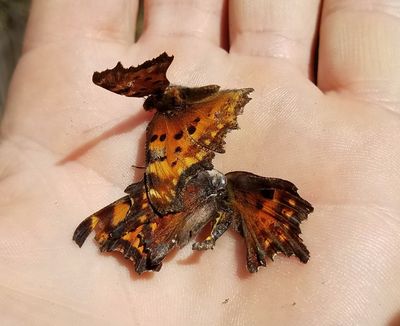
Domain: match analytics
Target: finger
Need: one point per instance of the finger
(61, 20)
(282, 29)
(201, 19)
(360, 49)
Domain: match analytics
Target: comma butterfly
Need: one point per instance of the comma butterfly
(132, 227)
(189, 125)
(181, 193)
(267, 212)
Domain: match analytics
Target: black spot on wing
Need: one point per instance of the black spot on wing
(267, 193)
(178, 135)
(191, 130)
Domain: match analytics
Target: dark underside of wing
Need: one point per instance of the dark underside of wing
(146, 79)
(268, 213)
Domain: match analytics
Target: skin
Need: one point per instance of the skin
(331, 126)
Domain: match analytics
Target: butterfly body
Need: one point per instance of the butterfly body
(176, 98)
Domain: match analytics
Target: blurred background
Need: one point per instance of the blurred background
(13, 16)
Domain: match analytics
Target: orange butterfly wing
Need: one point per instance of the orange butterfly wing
(111, 225)
(183, 141)
(145, 79)
(131, 227)
(103, 221)
(268, 213)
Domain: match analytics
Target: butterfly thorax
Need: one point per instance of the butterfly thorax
(168, 102)
(176, 98)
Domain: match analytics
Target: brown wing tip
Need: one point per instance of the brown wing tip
(258, 257)
(304, 258)
(96, 77)
(243, 100)
(104, 77)
(246, 92)
(82, 231)
(141, 261)
(163, 59)
(101, 78)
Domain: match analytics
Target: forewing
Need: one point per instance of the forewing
(209, 120)
(145, 79)
(181, 144)
(172, 158)
(268, 213)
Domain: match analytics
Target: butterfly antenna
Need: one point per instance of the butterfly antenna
(138, 166)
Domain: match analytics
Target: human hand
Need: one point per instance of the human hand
(67, 147)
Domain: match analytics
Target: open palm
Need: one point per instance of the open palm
(68, 146)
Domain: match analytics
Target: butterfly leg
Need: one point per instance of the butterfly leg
(221, 224)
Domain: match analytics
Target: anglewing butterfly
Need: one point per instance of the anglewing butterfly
(189, 125)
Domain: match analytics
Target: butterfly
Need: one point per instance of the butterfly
(267, 212)
(131, 226)
(188, 128)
